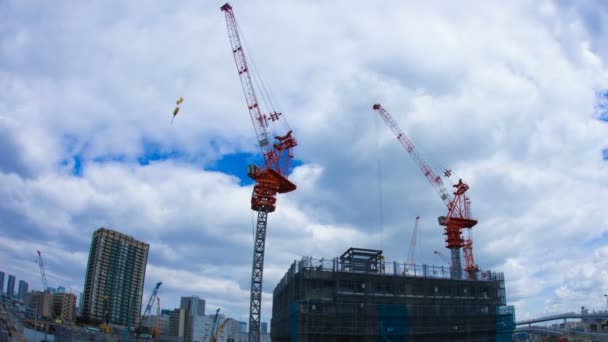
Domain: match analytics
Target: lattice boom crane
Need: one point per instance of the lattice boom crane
(42, 272)
(148, 310)
(270, 177)
(458, 204)
(410, 253)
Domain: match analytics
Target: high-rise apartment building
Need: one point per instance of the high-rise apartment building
(23, 286)
(115, 272)
(1, 281)
(10, 286)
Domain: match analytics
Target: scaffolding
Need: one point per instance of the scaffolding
(358, 297)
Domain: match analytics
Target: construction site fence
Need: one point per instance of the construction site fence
(388, 268)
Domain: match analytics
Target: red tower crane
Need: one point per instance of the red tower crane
(270, 177)
(458, 204)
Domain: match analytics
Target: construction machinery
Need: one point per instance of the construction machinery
(214, 323)
(270, 177)
(442, 257)
(218, 331)
(410, 253)
(146, 315)
(458, 216)
(156, 330)
(42, 272)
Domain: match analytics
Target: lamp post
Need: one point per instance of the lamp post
(606, 295)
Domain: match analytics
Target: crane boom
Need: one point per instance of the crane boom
(271, 177)
(148, 310)
(443, 257)
(410, 253)
(458, 204)
(42, 272)
(218, 331)
(427, 171)
(259, 120)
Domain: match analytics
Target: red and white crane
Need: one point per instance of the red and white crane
(270, 177)
(458, 204)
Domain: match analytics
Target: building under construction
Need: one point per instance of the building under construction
(359, 297)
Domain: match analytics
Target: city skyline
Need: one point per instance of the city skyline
(511, 97)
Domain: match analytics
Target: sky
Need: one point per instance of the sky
(512, 96)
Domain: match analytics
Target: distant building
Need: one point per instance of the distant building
(41, 302)
(116, 270)
(232, 329)
(242, 326)
(80, 302)
(177, 319)
(202, 328)
(64, 306)
(1, 281)
(244, 337)
(60, 289)
(194, 306)
(264, 327)
(10, 286)
(22, 289)
(163, 323)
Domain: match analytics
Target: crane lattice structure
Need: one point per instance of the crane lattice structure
(42, 272)
(148, 310)
(270, 177)
(458, 204)
(410, 253)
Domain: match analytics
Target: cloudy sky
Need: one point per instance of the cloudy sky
(510, 95)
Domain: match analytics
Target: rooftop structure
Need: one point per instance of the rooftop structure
(360, 297)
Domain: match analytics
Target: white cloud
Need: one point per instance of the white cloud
(505, 95)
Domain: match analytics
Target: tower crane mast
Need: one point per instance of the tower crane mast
(270, 177)
(458, 204)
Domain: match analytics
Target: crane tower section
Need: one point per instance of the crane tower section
(270, 177)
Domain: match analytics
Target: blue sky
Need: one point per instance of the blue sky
(87, 91)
